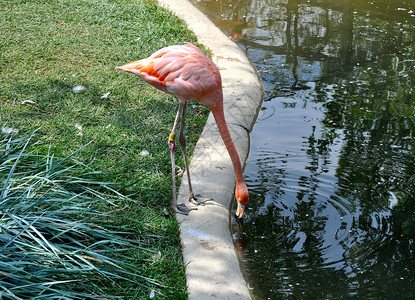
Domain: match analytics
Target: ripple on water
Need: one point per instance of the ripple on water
(299, 222)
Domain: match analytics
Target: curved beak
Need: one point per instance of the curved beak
(240, 211)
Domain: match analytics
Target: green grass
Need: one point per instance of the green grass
(49, 47)
(54, 241)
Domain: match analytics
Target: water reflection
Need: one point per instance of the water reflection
(332, 211)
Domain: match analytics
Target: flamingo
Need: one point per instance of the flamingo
(184, 71)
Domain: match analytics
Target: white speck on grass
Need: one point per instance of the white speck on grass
(79, 89)
(28, 102)
(105, 96)
(144, 153)
(79, 127)
(7, 130)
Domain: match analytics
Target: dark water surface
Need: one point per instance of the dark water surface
(332, 161)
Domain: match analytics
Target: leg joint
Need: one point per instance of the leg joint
(172, 137)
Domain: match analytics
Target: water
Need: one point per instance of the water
(332, 159)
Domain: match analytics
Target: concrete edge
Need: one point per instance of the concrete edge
(212, 266)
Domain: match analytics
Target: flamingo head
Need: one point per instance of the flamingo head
(242, 197)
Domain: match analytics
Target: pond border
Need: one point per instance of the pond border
(212, 266)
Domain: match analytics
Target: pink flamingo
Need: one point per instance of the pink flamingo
(186, 72)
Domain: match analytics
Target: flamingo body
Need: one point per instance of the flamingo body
(184, 71)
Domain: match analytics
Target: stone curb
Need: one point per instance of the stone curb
(212, 266)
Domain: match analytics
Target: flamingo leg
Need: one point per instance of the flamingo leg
(198, 200)
(178, 208)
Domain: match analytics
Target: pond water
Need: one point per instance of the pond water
(332, 159)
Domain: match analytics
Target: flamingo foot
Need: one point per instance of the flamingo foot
(183, 209)
(198, 199)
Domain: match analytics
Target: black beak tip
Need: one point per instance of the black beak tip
(238, 219)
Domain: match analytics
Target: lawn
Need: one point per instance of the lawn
(57, 79)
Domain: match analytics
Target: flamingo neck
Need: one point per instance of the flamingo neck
(230, 146)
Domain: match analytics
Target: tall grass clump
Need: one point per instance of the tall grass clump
(59, 234)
